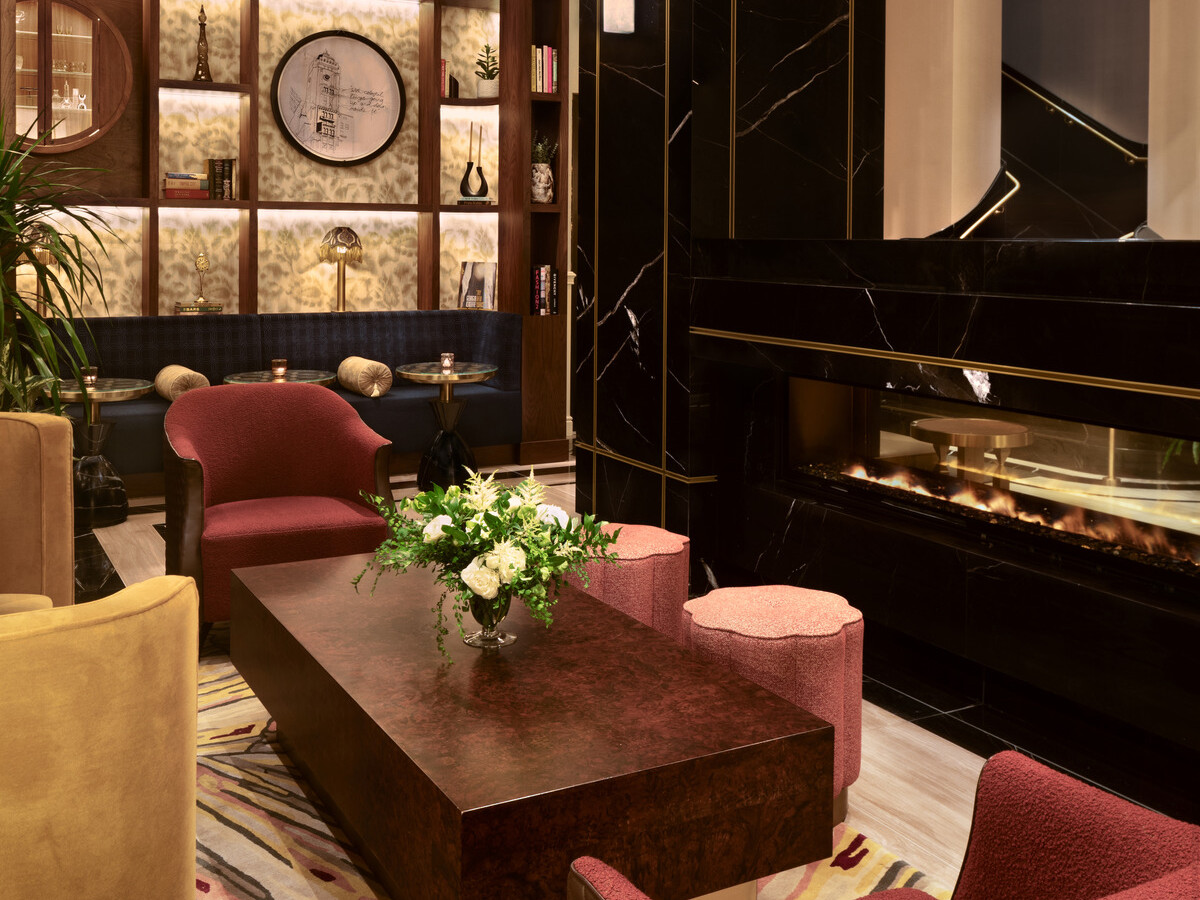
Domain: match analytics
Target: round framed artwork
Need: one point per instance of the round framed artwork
(338, 98)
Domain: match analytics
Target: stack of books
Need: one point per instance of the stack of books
(544, 301)
(186, 186)
(544, 70)
(199, 308)
(449, 83)
(218, 181)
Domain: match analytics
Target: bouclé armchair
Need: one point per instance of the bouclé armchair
(1037, 835)
(267, 473)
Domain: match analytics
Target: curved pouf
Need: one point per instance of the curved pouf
(650, 583)
(804, 645)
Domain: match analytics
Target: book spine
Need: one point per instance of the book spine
(190, 176)
(554, 73)
(211, 164)
(543, 308)
(553, 291)
(191, 184)
(229, 185)
(533, 67)
(548, 66)
(533, 300)
(186, 194)
(443, 78)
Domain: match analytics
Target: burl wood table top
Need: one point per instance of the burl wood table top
(597, 736)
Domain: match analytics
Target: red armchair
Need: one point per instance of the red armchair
(266, 473)
(1037, 835)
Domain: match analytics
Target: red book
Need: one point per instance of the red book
(185, 194)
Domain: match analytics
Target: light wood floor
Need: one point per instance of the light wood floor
(915, 792)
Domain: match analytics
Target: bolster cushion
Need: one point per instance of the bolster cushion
(364, 376)
(172, 381)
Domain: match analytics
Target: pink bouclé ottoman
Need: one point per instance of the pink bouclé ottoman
(650, 583)
(804, 645)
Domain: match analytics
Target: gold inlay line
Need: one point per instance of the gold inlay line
(645, 467)
(1165, 390)
(732, 110)
(666, 257)
(850, 133)
(1130, 157)
(995, 206)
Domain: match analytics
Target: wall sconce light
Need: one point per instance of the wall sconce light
(618, 16)
(341, 245)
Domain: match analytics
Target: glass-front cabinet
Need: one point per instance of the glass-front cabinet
(73, 73)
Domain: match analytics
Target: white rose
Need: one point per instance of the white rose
(548, 513)
(480, 579)
(507, 559)
(433, 531)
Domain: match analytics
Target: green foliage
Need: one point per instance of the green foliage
(544, 149)
(487, 65)
(522, 546)
(40, 228)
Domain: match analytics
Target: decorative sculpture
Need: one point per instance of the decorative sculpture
(202, 266)
(202, 73)
(464, 186)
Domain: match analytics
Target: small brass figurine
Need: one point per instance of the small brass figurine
(202, 73)
(202, 266)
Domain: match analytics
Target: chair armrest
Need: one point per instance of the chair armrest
(591, 879)
(183, 481)
(15, 603)
(1040, 833)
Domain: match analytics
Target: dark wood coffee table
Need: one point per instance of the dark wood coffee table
(485, 778)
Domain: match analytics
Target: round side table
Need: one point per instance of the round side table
(448, 457)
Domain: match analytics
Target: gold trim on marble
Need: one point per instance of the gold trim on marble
(850, 132)
(1164, 390)
(732, 111)
(1130, 157)
(666, 255)
(995, 206)
(595, 255)
(645, 467)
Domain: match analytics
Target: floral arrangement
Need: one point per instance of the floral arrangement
(490, 544)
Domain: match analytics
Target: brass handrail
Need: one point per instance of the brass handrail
(1130, 156)
(995, 206)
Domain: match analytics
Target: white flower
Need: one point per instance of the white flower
(507, 559)
(549, 513)
(481, 494)
(480, 579)
(433, 531)
(513, 501)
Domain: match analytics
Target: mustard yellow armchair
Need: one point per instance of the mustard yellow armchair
(37, 511)
(98, 746)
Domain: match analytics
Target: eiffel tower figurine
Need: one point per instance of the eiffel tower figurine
(202, 73)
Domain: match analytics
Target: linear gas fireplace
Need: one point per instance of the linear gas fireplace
(1128, 495)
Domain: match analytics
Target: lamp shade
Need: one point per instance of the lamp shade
(341, 243)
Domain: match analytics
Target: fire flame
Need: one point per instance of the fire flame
(1149, 538)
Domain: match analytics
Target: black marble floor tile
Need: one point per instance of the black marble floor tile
(894, 701)
(965, 735)
(95, 576)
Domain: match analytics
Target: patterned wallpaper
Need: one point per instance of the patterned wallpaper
(194, 127)
(465, 236)
(179, 31)
(117, 256)
(182, 235)
(283, 172)
(292, 278)
(464, 32)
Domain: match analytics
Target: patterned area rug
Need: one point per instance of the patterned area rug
(859, 866)
(262, 835)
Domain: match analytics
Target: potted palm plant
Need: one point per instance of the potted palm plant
(40, 231)
(487, 70)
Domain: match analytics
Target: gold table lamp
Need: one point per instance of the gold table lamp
(341, 245)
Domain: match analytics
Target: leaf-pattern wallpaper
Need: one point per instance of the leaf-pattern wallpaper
(465, 236)
(183, 234)
(179, 31)
(286, 174)
(464, 32)
(194, 127)
(292, 278)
